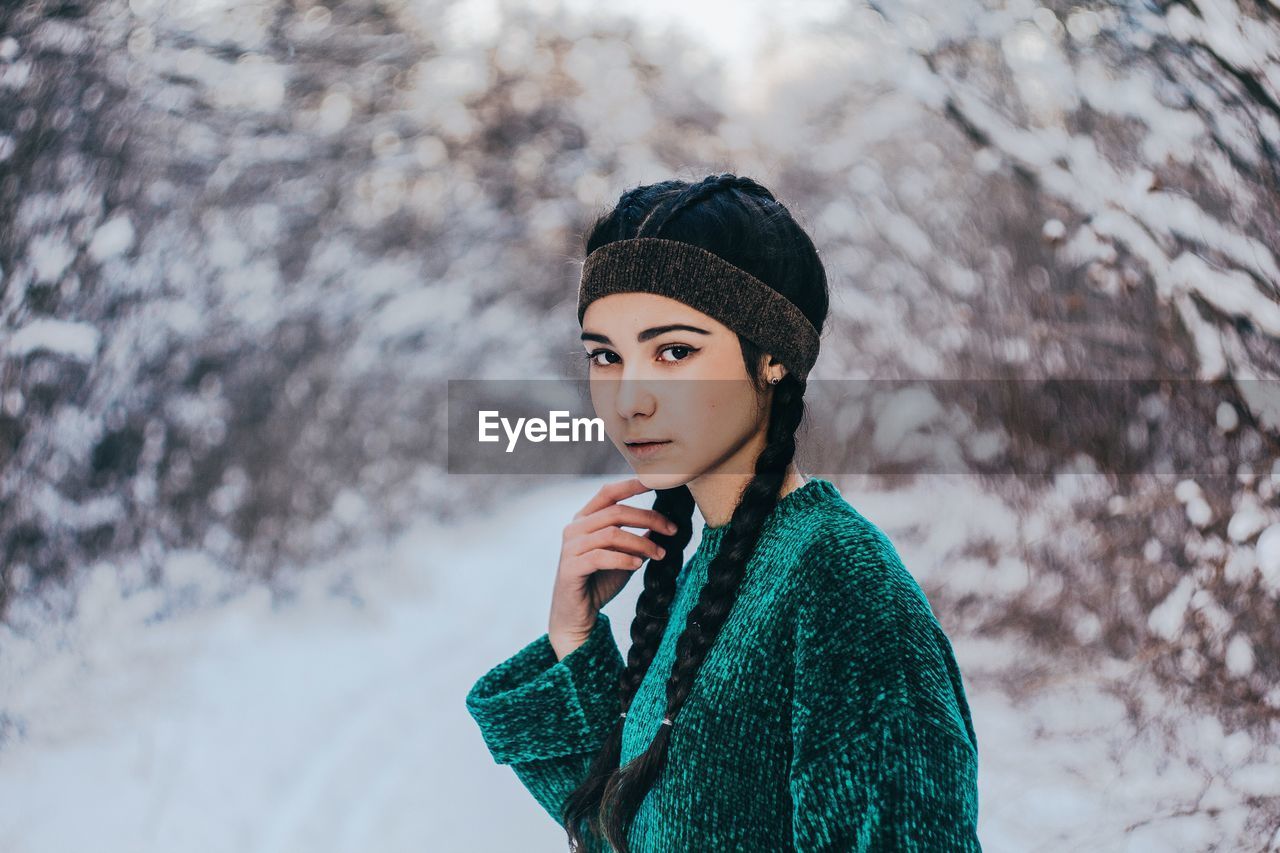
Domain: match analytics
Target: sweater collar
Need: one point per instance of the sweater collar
(813, 493)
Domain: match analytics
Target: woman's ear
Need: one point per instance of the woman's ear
(775, 371)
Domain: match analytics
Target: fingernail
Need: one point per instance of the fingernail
(662, 552)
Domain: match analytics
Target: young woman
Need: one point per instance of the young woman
(789, 688)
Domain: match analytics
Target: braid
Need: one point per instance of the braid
(694, 193)
(654, 604)
(630, 205)
(751, 187)
(626, 788)
(650, 622)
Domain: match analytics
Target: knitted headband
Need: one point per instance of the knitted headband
(707, 282)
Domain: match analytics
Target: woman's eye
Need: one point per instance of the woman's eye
(681, 347)
(591, 356)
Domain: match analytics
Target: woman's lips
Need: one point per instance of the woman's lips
(647, 449)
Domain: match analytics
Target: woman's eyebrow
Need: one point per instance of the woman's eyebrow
(647, 333)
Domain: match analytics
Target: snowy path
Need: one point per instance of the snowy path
(325, 726)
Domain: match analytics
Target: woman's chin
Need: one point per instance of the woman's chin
(657, 480)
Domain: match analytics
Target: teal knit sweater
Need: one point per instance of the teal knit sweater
(829, 713)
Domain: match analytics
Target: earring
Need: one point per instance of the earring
(775, 380)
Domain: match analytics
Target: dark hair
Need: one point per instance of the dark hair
(741, 221)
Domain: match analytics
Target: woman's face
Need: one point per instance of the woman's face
(713, 422)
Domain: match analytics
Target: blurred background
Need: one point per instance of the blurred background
(244, 244)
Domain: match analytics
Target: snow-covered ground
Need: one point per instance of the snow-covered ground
(337, 723)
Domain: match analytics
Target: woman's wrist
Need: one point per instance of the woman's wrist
(564, 644)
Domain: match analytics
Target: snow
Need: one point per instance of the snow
(1268, 551)
(113, 237)
(1240, 656)
(50, 256)
(74, 340)
(1247, 520)
(331, 722)
(1198, 510)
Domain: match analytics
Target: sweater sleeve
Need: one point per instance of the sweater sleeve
(547, 718)
(884, 756)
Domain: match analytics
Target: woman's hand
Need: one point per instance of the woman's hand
(597, 558)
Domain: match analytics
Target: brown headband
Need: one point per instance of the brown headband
(707, 282)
